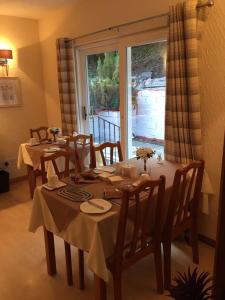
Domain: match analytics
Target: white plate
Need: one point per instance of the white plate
(52, 149)
(106, 169)
(88, 208)
(57, 186)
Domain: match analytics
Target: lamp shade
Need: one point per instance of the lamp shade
(7, 54)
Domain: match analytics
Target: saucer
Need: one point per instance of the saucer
(57, 186)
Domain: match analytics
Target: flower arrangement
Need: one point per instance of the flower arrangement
(54, 131)
(144, 154)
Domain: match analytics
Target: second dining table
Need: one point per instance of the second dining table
(31, 157)
(94, 234)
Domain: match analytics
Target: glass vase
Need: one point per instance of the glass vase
(144, 171)
(146, 167)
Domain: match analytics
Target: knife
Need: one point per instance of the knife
(95, 205)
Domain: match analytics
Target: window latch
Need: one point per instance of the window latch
(84, 113)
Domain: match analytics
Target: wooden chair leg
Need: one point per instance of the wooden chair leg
(158, 269)
(187, 237)
(100, 288)
(69, 270)
(50, 252)
(31, 179)
(167, 264)
(117, 286)
(81, 268)
(194, 244)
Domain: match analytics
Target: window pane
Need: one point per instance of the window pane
(146, 97)
(103, 92)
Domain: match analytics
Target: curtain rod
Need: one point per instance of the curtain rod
(207, 3)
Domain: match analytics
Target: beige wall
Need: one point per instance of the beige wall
(212, 80)
(21, 35)
(86, 16)
(89, 16)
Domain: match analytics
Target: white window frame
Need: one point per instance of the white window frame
(121, 44)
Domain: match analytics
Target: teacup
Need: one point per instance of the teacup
(60, 140)
(33, 141)
(129, 170)
(53, 180)
(118, 167)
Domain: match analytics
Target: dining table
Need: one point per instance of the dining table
(93, 233)
(30, 155)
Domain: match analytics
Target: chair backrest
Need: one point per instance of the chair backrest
(41, 133)
(143, 236)
(58, 158)
(185, 195)
(80, 142)
(109, 152)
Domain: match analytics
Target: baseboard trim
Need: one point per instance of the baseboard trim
(207, 240)
(18, 179)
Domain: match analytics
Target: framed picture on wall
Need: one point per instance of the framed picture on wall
(10, 93)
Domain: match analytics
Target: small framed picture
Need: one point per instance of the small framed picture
(10, 93)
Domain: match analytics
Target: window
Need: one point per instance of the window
(122, 90)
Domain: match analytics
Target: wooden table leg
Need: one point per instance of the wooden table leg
(31, 179)
(100, 288)
(69, 269)
(50, 252)
(81, 268)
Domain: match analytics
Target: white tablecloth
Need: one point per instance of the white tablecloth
(25, 158)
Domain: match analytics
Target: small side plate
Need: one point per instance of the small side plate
(107, 169)
(52, 149)
(32, 145)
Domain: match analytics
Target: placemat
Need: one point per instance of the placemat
(73, 194)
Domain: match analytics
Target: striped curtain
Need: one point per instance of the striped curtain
(183, 124)
(66, 81)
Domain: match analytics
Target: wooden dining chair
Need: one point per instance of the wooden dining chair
(62, 173)
(183, 212)
(53, 157)
(145, 239)
(80, 147)
(109, 153)
(40, 133)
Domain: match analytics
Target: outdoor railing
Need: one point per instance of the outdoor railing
(104, 130)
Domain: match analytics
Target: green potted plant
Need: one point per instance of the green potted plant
(192, 285)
